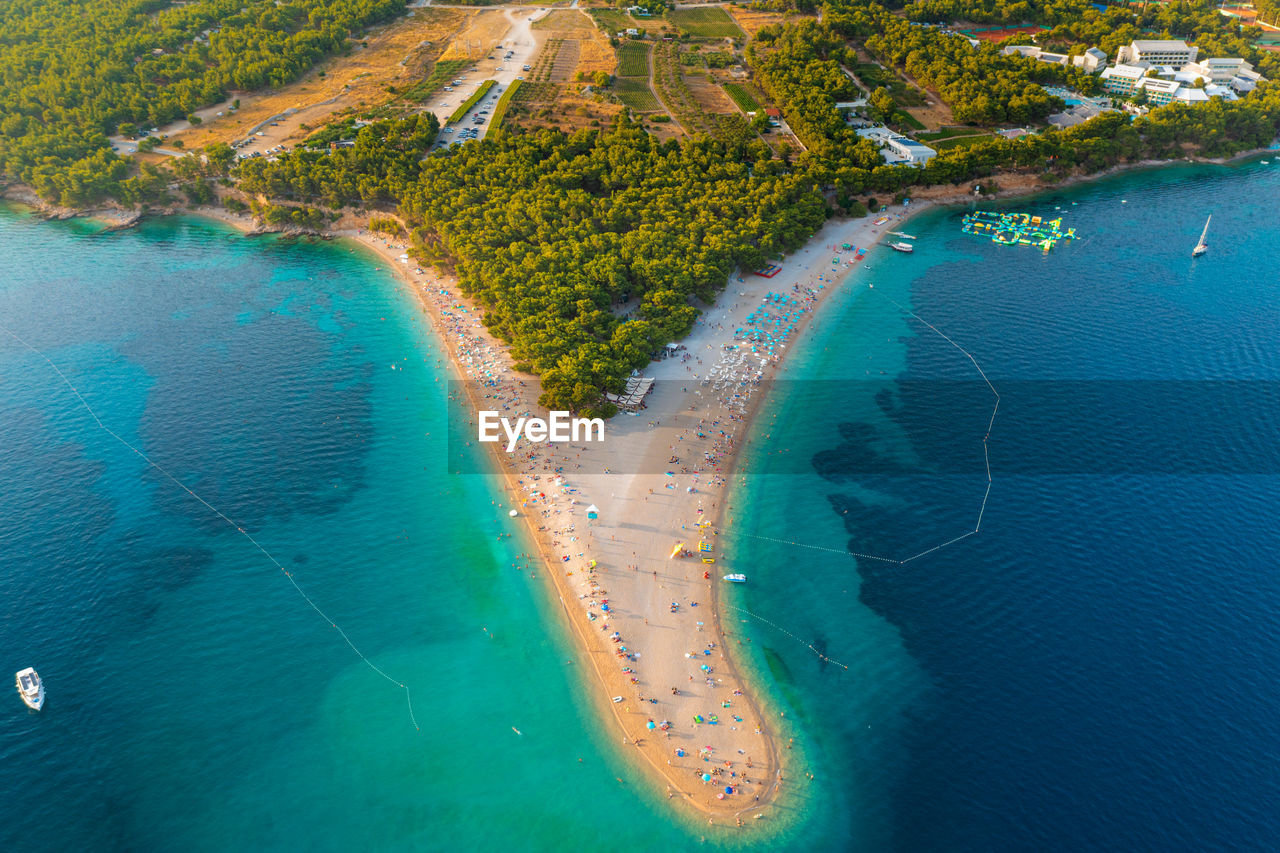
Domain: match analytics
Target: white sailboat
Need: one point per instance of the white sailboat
(1202, 246)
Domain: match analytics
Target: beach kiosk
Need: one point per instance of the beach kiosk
(593, 511)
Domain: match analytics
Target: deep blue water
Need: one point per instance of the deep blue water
(1096, 667)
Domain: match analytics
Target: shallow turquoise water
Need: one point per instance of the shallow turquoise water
(195, 701)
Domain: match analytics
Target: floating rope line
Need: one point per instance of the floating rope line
(346, 639)
(986, 456)
(782, 630)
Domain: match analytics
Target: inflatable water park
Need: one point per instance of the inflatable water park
(1017, 229)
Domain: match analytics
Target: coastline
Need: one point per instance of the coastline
(552, 524)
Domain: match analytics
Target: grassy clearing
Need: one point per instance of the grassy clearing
(613, 21)
(501, 109)
(473, 100)
(904, 117)
(742, 96)
(633, 59)
(947, 133)
(569, 23)
(636, 94)
(959, 141)
(704, 22)
(398, 55)
(873, 77)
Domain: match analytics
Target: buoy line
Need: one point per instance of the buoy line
(346, 639)
(986, 456)
(780, 629)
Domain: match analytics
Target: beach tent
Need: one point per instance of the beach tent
(593, 511)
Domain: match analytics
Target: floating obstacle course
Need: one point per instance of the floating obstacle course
(1017, 229)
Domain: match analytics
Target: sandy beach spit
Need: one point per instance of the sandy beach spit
(655, 649)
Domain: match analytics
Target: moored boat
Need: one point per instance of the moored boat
(899, 246)
(30, 688)
(736, 578)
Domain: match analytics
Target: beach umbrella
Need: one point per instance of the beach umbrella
(728, 790)
(513, 513)
(649, 725)
(706, 777)
(593, 511)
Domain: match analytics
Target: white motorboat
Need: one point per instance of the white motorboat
(902, 247)
(736, 578)
(30, 688)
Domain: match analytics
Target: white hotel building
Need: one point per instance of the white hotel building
(1157, 52)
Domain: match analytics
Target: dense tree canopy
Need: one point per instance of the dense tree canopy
(587, 252)
(73, 72)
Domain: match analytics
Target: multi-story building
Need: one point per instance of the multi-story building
(1091, 60)
(1157, 52)
(896, 149)
(1123, 79)
(1219, 70)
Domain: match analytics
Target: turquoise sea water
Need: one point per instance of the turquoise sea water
(195, 701)
(1092, 670)
(1095, 668)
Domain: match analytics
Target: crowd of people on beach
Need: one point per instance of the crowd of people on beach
(549, 485)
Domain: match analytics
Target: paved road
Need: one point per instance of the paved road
(523, 44)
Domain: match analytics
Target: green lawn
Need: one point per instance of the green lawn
(904, 117)
(633, 59)
(742, 96)
(705, 22)
(959, 142)
(613, 21)
(636, 94)
(946, 133)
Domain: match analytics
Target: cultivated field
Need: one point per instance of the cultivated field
(709, 97)
(633, 59)
(753, 21)
(744, 96)
(636, 94)
(704, 22)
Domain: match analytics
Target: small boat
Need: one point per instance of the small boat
(903, 236)
(30, 688)
(902, 247)
(736, 578)
(1202, 246)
